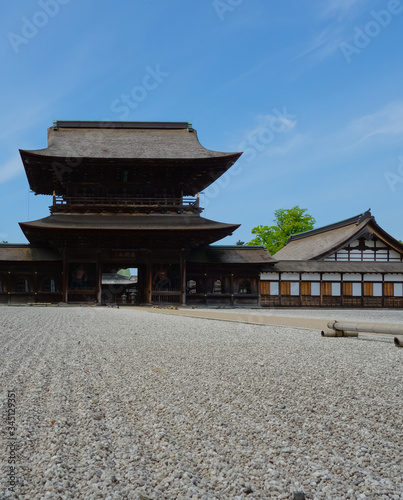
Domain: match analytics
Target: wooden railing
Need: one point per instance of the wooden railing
(64, 203)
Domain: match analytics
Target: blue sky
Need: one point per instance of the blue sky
(311, 91)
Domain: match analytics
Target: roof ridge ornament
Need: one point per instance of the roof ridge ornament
(363, 216)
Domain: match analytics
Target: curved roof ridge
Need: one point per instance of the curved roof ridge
(120, 124)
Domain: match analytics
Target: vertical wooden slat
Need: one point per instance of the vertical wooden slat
(388, 289)
(285, 288)
(347, 289)
(305, 288)
(265, 287)
(368, 289)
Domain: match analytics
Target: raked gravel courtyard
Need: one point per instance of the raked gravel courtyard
(125, 403)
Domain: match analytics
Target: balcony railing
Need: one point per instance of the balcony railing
(121, 204)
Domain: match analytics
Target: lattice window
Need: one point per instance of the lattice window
(49, 285)
(22, 284)
(245, 287)
(217, 286)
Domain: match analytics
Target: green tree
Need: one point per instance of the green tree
(4, 241)
(288, 221)
(240, 243)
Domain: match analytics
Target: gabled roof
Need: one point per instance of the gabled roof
(231, 255)
(319, 243)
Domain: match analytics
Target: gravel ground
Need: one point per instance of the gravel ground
(115, 403)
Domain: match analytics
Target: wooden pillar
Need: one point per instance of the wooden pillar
(321, 290)
(342, 289)
(205, 286)
(99, 280)
(258, 290)
(35, 286)
(149, 283)
(65, 281)
(232, 290)
(9, 286)
(182, 278)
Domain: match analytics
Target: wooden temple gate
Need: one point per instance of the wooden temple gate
(125, 195)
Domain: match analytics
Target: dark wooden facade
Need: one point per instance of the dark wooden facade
(125, 195)
(29, 275)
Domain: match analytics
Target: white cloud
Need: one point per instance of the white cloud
(336, 19)
(343, 9)
(325, 44)
(295, 142)
(385, 123)
(276, 121)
